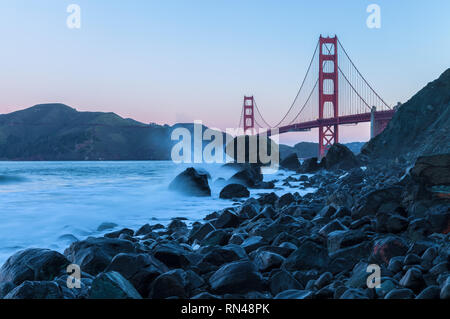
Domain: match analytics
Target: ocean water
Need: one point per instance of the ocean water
(51, 204)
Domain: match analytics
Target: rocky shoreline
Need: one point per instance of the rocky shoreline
(317, 246)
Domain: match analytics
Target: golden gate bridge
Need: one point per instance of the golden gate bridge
(333, 92)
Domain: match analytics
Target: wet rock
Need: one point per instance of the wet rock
(172, 255)
(220, 256)
(431, 292)
(310, 165)
(144, 230)
(294, 294)
(33, 264)
(112, 285)
(308, 255)
(331, 227)
(281, 280)
(253, 243)
(286, 200)
(5, 288)
(323, 280)
(402, 293)
(191, 182)
(358, 278)
(227, 219)
(344, 238)
(106, 226)
(390, 223)
(353, 293)
(412, 259)
(432, 170)
(291, 162)
(340, 157)
(236, 277)
(201, 232)
(439, 219)
(386, 248)
(116, 234)
(93, 255)
(170, 284)
(205, 295)
(36, 290)
(266, 261)
(234, 191)
(177, 225)
(249, 176)
(445, 291)
(413, 279)
(139, 269)
(216, 237)
(371, 204)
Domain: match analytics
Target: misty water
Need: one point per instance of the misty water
(51, 204)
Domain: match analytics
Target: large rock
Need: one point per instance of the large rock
(421, 126)
(386, 248)
(310, 165)
(36, 290)
(376, 200)
(282, 280)
(340, 157)
(112, 285)
(170, 284)
(139, 269)
(236, 277)
(172, 255)
(93, 255)
(291, 162)
(191, 182)
(432, 170)
(33, 264)
(250, 176)
(308, 256)
(234, 191)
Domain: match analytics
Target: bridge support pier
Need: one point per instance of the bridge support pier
(377, 126)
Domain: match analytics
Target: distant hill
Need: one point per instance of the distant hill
(59, 132)
(308, 149)
(421, 126)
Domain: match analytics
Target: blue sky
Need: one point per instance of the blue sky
(169, 61)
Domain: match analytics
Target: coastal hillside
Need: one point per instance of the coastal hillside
(59, 132)
(421, 126)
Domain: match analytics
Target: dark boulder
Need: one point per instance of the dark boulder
(93, 255)
(33, 264)
(401, 293)
(295, 294)
(236, 277)
(234, 191)
(432, 170)
(112, 285)
(310, 165)
(413, 279)
(282, 280)
(191, 182)
(291, 162)
(170, 284)
(390, 223)
(36, 290)
(139, 269)
(172, 255)
(227, 219)
(250, 176)
(308, 256)
(340, 157)
(267, 260)
(386, 248)
(376, 200)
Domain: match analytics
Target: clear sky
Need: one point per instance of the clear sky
(169, 61)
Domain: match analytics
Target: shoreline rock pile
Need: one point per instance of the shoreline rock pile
(315, 246)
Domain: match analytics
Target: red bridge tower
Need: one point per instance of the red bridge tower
(328, 92)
